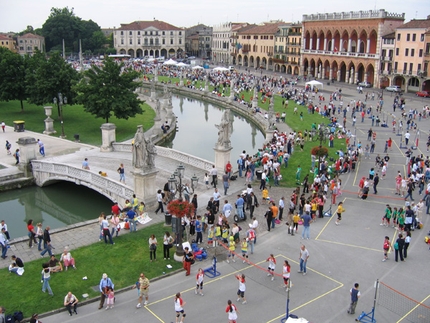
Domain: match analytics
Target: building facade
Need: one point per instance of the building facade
(198, 41)
(7, 42)
(345, 46)
(150, 38)
(386, 59)
(257, 45)
(29, 43)
(410, 61)
(288, 42)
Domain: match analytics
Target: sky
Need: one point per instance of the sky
(16, 15)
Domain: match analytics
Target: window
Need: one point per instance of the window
(146, 33)
(156, 33)
(122, 41)
(180, 33)
(419, 68)
(122, 33)
(171, 33)
(408, 37)
(397, 52)
(412, 52)
(150, 32)
(138, 41)
(171, 41)
(163, 41)
(420, 53)
(157, 42)
(255, 37)
(411, 67)
(405, 67)
(138, 33)
(163, 33)
(180, 41)
(398, 36)
(130, 33)
(422, 37)
(131, 41)
(406, 51)
(414, 37)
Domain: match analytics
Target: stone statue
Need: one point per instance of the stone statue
(139, 149)
(153, 86)
(157, 108)
(151, 151)
(155, 72)
(224, 131)
(165, 90)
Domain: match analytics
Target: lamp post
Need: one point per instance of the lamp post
(175, 186)
(60, 101)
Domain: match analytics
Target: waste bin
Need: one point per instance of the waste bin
(259, 173)
(167, 219)
(76, 136)
(19, 126)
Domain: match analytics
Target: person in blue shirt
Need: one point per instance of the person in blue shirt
(104, 283)
(131, 215)
(239, 206)
(227, 209)
(199, 226)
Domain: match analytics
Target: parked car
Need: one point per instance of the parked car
(393, 88)
(365, 84)
(424, 94)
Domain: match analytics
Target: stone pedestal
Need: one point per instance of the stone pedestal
(269, 134)
(49, 122)
(145, 186)
(255, 103)
(108, 136)
(27, 148)
(222, 156)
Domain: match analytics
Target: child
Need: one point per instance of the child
(179, 303)
(225, 234)
(387, 216)
(386, 247)
(395, 213)
(272, 265)
(339, 212)
(242, 288)
(199, 281)
(286, 269)
(210, 236)
(217, 234)
(232, 312)
(296, 219)
(110, 298)
(231, 249)
(244, 247)
(265, 194)
(206, 179)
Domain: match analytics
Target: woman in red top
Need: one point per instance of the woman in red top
(232, 311)
(31, 233)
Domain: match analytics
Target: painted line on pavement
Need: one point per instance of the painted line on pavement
(413, 309)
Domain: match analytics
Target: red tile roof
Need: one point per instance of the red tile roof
(3, 37)
(268, 28)
(141, 25)
(30, 35)
(416, 23)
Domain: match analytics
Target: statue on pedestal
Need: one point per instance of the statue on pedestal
(139, 149)
(157, 108)
(151, 151)
(224, 131)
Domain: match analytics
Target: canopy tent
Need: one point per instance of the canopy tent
(221, 69)
(170, 62)
(197, 67)
(181, 64)
(314, 83)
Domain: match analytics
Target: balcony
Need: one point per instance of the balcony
(343, 54)
(278, 60)
(387, 58)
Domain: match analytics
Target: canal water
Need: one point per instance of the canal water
(197, 133)
(65, 203)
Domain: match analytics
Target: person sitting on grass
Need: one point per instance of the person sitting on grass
(67, 259)
(54, 265)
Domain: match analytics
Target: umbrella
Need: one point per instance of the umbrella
(221, 69)
(197, 67)
(170, 62)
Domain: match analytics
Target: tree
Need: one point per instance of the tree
(109, 90)
(12, 80)
(45, 78)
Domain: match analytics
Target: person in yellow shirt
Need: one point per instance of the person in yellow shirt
(296, 219)
(141, 208)
(339, 212)
(134, 202)
(231, 249)
(265, 194)
(210, 237)
(314, 207)
(103, 174)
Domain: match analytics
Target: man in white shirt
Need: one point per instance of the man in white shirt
(407, 136)
(281, 207)
(214, 173)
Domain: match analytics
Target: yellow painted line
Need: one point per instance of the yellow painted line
(153, 314)
(314, 299)
(323, 228)
(356, 173)
(350, 245)
(413, 309)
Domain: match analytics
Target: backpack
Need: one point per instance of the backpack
(18, 316)
(9, 319)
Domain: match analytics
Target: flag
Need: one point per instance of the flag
(238, 46)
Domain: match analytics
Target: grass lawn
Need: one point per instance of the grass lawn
(76, 121)
(123, 262)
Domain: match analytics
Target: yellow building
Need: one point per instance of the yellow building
(7, 42)
(410, 61)
(288, 42)
(257, 46)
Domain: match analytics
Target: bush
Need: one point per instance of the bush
(319, 151)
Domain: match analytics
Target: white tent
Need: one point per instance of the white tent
(314, 83)
(181, 64)
(197, 67)
(170, 62)
(221, 69)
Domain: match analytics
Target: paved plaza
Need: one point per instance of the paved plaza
(339, 255)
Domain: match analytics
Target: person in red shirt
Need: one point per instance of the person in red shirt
(31, 233)
(360, 186)
(115, 209)
(228, 169)
(389, 143)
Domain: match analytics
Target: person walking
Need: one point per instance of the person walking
(41, 147)
(399, 247)
(187, 260)
(31, 233)
(386, 246)
(375, 183)
(339, 212)
(281, 206)
(242, 288)
(46, 242)
(355, 295)
(304, 256)
(179, 308)
(46, 277)
(214, 174)
(105, 228)
(3, 243)
(226, 182)
(105, 283)
(152, 247)
(271, 267)
(121, 172)
(70, 301)
(16, 155)
(286, 270)
(199, 282)
(232, 311)
(160, 202)
(144, 290)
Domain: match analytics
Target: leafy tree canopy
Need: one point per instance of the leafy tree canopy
(12, 80)
(109, 91)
